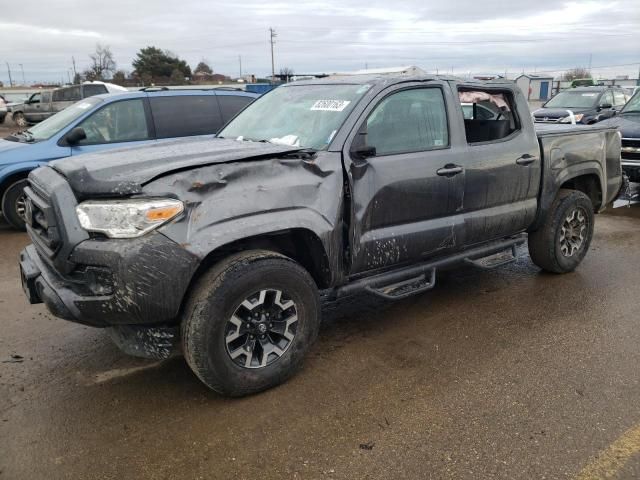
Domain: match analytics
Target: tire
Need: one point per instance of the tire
(564, 239)
(13, 204)
(217, 311)
(20, 120)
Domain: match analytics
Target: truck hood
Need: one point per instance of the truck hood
(555, 113)
(629, 124)
(125, 171)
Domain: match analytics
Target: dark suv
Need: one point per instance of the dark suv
(586, 105)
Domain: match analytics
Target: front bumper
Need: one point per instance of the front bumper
(115, 282)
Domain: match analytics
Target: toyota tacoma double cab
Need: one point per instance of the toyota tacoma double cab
(224, 247)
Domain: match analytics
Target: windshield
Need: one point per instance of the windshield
(305, 116)
(632, 105)
(580, 99)
(52, 125)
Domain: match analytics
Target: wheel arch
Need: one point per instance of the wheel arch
(299, 244)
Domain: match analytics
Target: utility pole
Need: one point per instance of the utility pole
(9, 70)
(69, 76)
(24, 82)
(240, 60)
(272, 36)
(75, 74)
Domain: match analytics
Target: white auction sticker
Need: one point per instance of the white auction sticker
(84, 106)
(330, 105)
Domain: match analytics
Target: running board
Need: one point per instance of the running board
(414, 279)
(495, 260)
(405, 288)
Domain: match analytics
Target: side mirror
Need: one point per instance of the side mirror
(605, 106)
(359, 148)
(75, 136)
(364, 152)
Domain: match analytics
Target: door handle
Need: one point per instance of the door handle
(526, 159)
(450, 170)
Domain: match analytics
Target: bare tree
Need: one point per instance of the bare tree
(574, 73)
(286, 73)
(103, 65)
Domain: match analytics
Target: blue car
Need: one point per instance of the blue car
(106, 122)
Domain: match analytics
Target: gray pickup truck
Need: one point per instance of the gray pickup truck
(321, 188)
(42, 105)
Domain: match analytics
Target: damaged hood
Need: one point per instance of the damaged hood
(125, 171)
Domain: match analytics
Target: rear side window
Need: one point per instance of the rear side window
(71, 94)
(185, 115)
(46, 97)
(91, 90)
(488, 115)
(230, 105)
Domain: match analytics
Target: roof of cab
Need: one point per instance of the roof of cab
(388, 79)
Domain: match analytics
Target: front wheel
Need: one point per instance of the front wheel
(249, 322)
(563, 240)
(13, 206)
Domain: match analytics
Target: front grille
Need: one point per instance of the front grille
(546, 119)
(631, 142)
(41, 221)
(634, 145)
(630, 156)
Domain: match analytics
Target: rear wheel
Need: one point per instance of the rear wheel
(20, 120)
(13, 204)
(249, 322)
(563, 241)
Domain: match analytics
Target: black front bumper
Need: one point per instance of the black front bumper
(116, 282)
(40, 286)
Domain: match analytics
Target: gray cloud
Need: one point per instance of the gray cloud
(463, 36)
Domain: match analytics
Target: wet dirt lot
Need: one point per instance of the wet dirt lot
(510, 374)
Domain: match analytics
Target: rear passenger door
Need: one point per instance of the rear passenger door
(406, 194)
(185, 115)
(64, 97)
(502, 165)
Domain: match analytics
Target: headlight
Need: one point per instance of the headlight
(127, 218)
(567, 119)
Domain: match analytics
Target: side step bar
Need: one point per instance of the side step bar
(414, 279)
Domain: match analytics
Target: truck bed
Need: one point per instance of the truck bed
(592, 150)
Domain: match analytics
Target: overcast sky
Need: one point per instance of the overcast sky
(489, 36)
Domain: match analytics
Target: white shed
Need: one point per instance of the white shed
(535, 87)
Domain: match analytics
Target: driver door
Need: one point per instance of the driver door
(405, 184)
(117, 124)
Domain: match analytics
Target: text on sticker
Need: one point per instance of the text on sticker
(330, 105)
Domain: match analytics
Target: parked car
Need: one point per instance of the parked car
(588, 105)
(41, 105)
(108, 122)
(3, 108)
(628, 122)
(352, 184)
